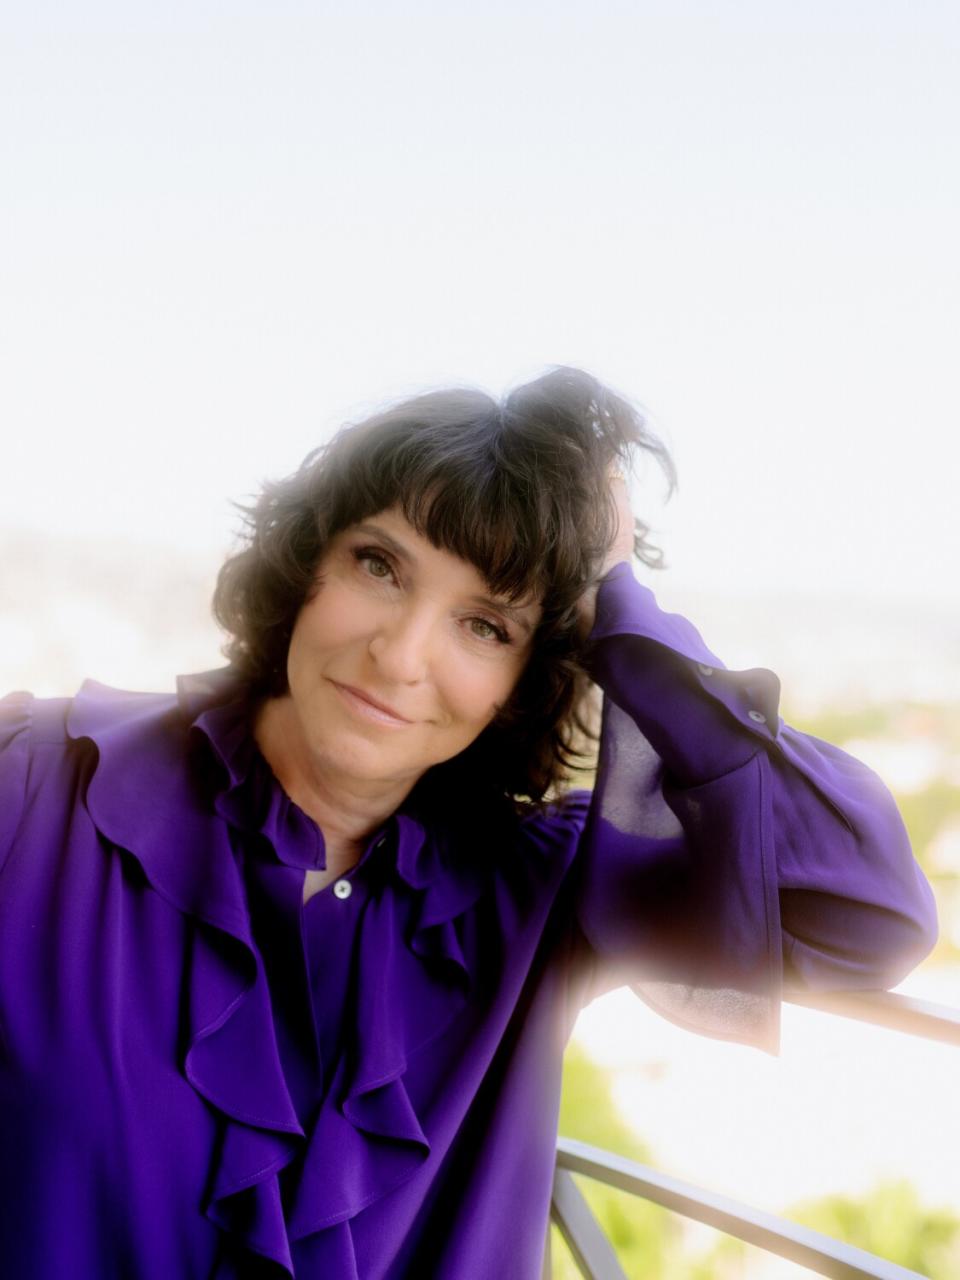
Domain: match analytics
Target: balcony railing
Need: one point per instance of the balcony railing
(595, 1256)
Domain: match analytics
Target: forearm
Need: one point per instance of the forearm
(824, 835)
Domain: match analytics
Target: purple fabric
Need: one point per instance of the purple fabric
(199, 1077)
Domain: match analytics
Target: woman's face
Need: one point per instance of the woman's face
(402, 657)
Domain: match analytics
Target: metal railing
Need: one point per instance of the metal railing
(595, 1256)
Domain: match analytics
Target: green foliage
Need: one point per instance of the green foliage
(588, 1112)
(890, 1222)
(644, 1236)
(896, 719)
(925, 812)
(873, 720)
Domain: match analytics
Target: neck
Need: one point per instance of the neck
(347, 810)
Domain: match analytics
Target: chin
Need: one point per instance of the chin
(353, 755)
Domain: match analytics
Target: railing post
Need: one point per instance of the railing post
(809, 1248)
(592, 1251)
(594, 1254)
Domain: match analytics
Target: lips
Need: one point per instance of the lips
(369, 706)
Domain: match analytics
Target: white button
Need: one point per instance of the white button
(343, 888)
(758, 716)
(704, 669)
(381, 842)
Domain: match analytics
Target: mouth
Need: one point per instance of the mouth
(368, 707)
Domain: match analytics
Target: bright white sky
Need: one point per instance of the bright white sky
(227, 227)
(230, 226)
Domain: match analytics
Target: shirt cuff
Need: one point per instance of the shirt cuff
(702, 719)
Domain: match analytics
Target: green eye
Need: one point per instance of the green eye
(373, 563)
(484, 629)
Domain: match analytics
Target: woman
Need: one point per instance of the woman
(289, 960)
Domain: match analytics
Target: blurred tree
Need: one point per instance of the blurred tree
(890, 1222)
(650, 1242)
(645, 1236)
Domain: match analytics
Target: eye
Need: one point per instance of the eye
(484, 629)
(375, 563)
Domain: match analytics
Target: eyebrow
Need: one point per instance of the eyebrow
(514, 612)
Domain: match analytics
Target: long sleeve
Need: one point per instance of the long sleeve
(724, 850)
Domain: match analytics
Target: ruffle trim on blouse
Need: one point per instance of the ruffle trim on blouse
(367, 1138)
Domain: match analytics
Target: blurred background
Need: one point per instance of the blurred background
(229, 228)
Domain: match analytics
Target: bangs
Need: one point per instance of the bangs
(488, 525)
(466, 483)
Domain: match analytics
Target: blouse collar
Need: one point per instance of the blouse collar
(251, 798)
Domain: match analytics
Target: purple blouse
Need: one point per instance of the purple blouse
(200, 1076)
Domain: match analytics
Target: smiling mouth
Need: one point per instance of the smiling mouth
(367, 707)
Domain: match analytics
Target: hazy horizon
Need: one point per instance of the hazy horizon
(137, 615)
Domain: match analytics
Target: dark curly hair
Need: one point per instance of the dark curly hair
(518, 488)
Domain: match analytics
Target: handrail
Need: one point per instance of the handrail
(885, 1009)
(809, 1248)
(833, 1258)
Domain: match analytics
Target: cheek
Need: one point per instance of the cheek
(332, 620)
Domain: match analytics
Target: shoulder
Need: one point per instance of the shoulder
(28, 722)
(36, 753)
(115, 751)
(17, 721)
(121, 721)
(97, 716)
(49, 746)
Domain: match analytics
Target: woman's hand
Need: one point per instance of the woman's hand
(620, 549)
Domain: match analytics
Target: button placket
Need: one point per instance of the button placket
(343, 888)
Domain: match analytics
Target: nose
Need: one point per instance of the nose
(402, 646)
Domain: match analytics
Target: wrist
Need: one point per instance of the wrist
(587, 611)
(590, 607)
